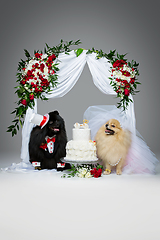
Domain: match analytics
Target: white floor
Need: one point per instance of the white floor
(44, 206)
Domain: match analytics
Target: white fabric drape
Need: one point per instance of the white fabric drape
(26, 130)
(100, 73)
(71, 68)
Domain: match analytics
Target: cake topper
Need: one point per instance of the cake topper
(82, 126)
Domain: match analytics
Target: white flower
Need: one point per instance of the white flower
(125, 78)
(46, 70)
(27, 88)
(31, 62)
(44, 56)
(88, 175)
(132, 75)
(29, 67)
(117, 74)
(126, 68)
(80, 175)
(84, 171)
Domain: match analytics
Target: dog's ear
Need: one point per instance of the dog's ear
(56, 112)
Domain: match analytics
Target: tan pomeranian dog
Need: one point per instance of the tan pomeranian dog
(112, 146)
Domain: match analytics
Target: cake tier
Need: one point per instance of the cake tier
(81, 150)
(81, 134)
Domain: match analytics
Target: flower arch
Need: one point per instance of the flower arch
(54, 73)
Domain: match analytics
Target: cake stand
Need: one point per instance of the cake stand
(79, 161)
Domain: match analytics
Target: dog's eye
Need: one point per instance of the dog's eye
(113, 125)
(51, 122)
(106, 125)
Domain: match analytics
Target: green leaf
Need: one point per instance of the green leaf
(27, 53)
(20, 110)
(16, 120)
(9, 130)
(78, 51)
(13, 112)
(78, 42)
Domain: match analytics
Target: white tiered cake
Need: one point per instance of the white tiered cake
(81, 148)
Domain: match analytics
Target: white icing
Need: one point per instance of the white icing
(81, 147)
(81, 134)
(81, 150)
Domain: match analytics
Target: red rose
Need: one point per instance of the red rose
(99, 171)
(118, 80)
(49, 65)
(96, 175)
(23, 82)
(126, 73)
(29, 73)
(49, 59)
(38, 55)
(24, 102)
(119, 63)
(93, 171)
(126, 92)
(126, 84)
(132, 81)
(40, 89)
(42, 67)
(53, 56)
(45, 82)
(31, 96)
(36, 90)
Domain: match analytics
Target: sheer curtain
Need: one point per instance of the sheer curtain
(71, 68)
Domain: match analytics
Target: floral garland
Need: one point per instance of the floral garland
(123, 75)
(84, 171)
(36, 75)
(123, 80)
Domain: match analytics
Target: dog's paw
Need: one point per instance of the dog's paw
(119, 171)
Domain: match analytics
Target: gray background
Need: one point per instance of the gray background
(129, 26)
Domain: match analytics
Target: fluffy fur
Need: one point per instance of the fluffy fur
(112, 145)
(54, 127)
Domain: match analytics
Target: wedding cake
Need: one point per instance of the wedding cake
(81, 148)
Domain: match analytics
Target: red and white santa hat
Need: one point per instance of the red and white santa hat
(39, 120)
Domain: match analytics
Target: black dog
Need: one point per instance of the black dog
(39, 151)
